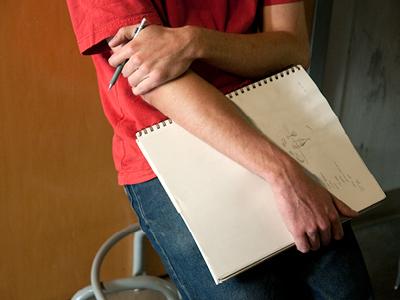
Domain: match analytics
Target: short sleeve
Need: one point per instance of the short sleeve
(95, 20)
(273, 2)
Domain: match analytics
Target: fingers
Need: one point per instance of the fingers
(307, 241)
(123, 35)
(120, 56)
(143, 87)
(147, 84)
(344, 209)
(142, 77)
(144, 80)
(325, 234)
(302, 243)
(131, 66)
(337, 229)
(137, 77)
(127, 50)
(151, 59)
(123, 43)
(313, 239)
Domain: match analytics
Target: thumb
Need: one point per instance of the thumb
(344, 209)
(123, 35)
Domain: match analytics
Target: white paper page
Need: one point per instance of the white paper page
(230, 211)
(300, 121)
(217, 206)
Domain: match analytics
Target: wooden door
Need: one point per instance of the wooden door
(59, 199)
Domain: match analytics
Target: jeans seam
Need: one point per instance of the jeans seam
(158, 243)
(130, 199)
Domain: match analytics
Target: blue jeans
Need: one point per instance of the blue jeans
(333, 272)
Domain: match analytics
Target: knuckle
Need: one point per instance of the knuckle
(130, 50)
(297, 233)
(332, 216)
(137, 57)
(312, 234)
(324, 227)
(133, 61)
(119, 33)
(157, 75)
(145, 68)
(131, 81)
(312, 228)
(111, 60)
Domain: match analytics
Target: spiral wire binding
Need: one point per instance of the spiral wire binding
(149, 129)
(264, 81)
(242, 90)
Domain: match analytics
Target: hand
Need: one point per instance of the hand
(310, 212)
(157, 55)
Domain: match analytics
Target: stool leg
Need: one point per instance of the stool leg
(138, 257)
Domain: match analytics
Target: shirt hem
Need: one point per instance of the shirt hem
(87, 42)
(135, 177)
(275, 2)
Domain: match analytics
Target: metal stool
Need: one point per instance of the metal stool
(138, 281)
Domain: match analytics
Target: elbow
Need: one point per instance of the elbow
(303, 54)
(305, 62)
(299, 51)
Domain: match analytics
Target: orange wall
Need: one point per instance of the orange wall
(58, 194)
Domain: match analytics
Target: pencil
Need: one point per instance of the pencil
(120, 66)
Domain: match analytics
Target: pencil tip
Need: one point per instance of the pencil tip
(110, 86)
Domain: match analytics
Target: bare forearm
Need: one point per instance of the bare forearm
(159, 57)
(310, 213)
(283, 41)
(249, 55)
(202, 110)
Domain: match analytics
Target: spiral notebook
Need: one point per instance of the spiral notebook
(230, 211)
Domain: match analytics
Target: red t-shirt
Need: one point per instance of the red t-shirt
(94, 21)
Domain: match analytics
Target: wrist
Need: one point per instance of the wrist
(282, 169)
(196, 41)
